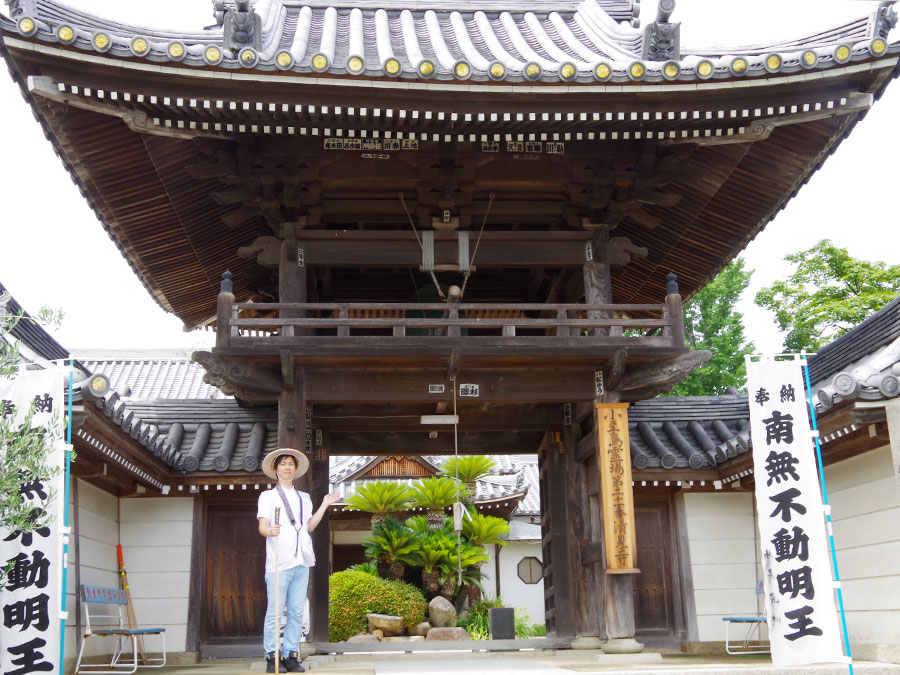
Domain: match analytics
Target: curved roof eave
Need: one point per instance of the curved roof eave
(572, 43)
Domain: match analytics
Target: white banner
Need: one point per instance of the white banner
(797, 576)
(32, 590)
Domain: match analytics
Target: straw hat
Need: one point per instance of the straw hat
(268, 464)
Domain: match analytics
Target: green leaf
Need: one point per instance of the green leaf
(828, 293)
(380, 497)
(467, 468)
(482, 530)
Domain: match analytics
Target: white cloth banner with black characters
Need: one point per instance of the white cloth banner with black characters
(31, 593)
(800, 608)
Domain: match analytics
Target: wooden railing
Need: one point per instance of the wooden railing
(658, 325)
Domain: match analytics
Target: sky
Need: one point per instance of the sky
(54, 252)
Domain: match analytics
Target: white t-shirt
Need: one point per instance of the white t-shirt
(290, 553)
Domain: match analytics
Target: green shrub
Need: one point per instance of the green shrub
(351, 595)
(367, 567)
(477, 622)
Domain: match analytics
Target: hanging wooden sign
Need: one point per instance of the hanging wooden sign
(615, 481)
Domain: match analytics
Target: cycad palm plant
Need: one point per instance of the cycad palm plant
(483, 530)
(434, 495)
(467, 469)
(392, 544)
(433, 553)
(469, 558)
(380, 498)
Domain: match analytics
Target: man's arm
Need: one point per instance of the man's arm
(267, 531)
(316, 518)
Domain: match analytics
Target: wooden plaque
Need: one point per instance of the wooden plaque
(615, 481)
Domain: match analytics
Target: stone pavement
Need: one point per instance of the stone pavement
(562, 662)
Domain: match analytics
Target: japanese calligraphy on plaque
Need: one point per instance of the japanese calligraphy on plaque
(796, 569)
(615, 482)
(30, 633)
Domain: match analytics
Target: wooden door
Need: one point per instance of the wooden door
(654, 596)
(235, 590)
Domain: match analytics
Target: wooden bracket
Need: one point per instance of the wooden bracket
(615, 368)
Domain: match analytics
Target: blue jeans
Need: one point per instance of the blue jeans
(291, 589)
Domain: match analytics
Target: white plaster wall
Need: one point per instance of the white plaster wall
(156, 543)
(513, 591)
(722, 537)
(98, 534)
(865, 503)
(348, 537)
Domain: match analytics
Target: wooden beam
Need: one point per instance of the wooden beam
(419, 443)
(391, 249)
(350, 386)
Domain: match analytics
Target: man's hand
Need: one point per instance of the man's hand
(330, 499)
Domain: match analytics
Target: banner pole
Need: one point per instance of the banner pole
(65, 531)
(829, 527)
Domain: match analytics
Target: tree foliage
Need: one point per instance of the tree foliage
(711, 322)
(23, 448)
(829, 293)
(380, 498)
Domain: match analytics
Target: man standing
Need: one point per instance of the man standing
(290, 545)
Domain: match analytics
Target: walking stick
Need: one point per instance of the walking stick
(277, 601)
(129, 608)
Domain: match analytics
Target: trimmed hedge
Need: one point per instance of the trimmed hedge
(351, 595)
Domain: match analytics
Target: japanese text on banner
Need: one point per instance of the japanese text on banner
(796, 569)
(29, 636)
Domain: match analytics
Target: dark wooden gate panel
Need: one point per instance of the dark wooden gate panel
(654, 597)
(344, 556)
(234, 591)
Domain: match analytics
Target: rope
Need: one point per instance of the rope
(418, 239)
(477, 244)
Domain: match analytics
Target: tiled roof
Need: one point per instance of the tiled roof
(30, 332)
(586, 41)
(862, 363)
(158, 374)
(688, 431)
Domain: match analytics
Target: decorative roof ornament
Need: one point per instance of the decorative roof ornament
(662, 40)
(885, 19)
(242, 27)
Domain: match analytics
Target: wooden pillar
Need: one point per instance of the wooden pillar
(597, 283)
(557, 546)
(292, 413)
(618, 587)
(318, 580)
(292, 281)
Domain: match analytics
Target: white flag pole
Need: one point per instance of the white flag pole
(829, 527)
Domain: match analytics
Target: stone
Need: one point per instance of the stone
(420, 629)
(306, 650)
(441, 613)
(378, 633)
(622, 646)
(502, 623)
(365, 637)
(397, 638)
(448, 633)
(586, 642)
(416, 638)
(391, 625)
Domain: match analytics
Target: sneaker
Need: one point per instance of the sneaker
(270, 664)
(292, 663)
